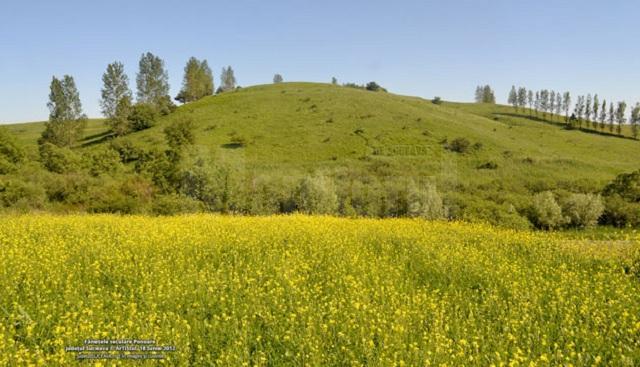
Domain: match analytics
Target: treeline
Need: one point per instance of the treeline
(124, 115)
(587, 113)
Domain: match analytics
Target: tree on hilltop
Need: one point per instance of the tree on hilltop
(115, 87)
(66, 120)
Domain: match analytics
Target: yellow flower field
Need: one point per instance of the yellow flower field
(314, 291)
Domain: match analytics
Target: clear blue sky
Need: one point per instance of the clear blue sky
(415, 47)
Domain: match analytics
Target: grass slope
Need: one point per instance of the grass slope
(295, 128)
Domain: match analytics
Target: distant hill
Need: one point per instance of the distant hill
(295, 129)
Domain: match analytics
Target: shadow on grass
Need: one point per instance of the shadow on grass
(96, 138)
(563, 125)
(232, 145)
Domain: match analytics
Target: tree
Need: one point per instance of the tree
(152, 80)
(513, 98)
(587, 110)
(484, 94)
(227, 79)
(488, 95)
(612, 117)
(115, 88)
(566, 104)
(479, 94)
(583, 210)
(197, 82)
(373, 87)
(552, 103)
(180, 134)
(334, 81)
(522, 97)
(620, 118)
(559, 105)
(546, 212)
(66, 120)
(635, 120)
(596, 107)
(537, 103)
(277, 79)
(119, 122)
(603, 115)
(579, 110)
(544, 102)
(530, 100)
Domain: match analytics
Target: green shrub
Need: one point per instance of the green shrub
(459, 145)
(10, 152)
(58, 160)
(180, 133)
(425, 202)
(620, 212)
(127, 150)
(104, 161)
(316, 195)
(69, 189)
(545, 211)
(165, 106)
(583, 210)
(488, 165)
(626, 185)
(172, 204)
(21, 194)
(437, 100)
(142, 116)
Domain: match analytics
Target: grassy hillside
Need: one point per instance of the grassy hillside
(318, 291)
(293, 129)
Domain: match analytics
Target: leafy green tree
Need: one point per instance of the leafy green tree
(152, 80)
(142, 116)
(115, 87)
(66, 120)
(277, 79)
(120, 123)
(579, 110)
(513, 98)
(180, 134)
(583, 210)
(522, 97)
(620, 116)
(612, 116)
(587, 110)
(635, 120)
(596, 107)
(544, 102)
(488, 96)
(530, 100)
(559, 105)
(603, 115)
(546, 212)
(227, 79)
(566, 104)
(197, 82)
(334, 81)
(316, 195)
(11, 153)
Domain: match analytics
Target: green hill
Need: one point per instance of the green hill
(290, 130)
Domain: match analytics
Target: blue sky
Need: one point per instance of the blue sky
(417, 47)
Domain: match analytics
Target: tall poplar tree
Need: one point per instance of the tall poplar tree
(197, 81)
(66, 120)
(152, 80)
(115, 86)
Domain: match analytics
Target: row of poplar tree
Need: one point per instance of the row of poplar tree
(67, 121)
(587, 113)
